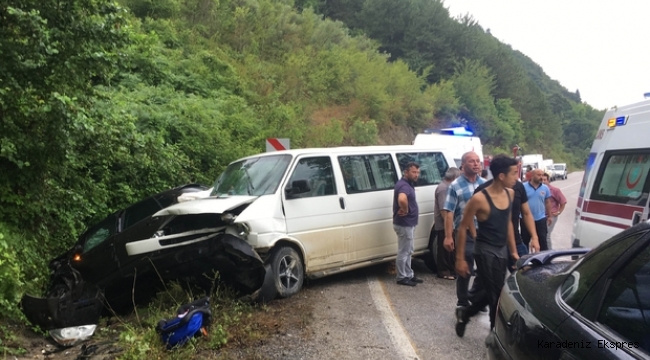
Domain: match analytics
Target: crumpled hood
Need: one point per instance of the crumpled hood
(213, 205)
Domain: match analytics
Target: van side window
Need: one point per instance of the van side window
(432, 166)
(363, 173)
(318, 175)
(624, 177)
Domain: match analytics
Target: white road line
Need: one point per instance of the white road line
(568, 186)
(395, 329)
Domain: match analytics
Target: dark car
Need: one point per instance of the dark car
(127, 256)
(595, 307)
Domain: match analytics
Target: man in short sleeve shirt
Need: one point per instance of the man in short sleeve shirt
(405, 218)
(459, 193)
(540, 206)
(558, 202)
(444, 258)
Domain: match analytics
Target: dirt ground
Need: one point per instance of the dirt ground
(295, 328)
(261, 335)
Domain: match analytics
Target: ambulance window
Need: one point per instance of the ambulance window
(624, 177)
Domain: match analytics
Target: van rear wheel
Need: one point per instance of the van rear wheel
(288, 271)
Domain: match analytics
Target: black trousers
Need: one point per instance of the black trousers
(445, 260)
(542, 231)
(490, 276)
(462, 283)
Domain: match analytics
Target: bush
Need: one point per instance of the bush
(11, 274)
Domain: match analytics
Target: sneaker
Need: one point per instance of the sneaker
(417, 280)
(406, 282)
(461, 321)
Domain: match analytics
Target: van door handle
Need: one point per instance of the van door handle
(342, 202)
(636, 218)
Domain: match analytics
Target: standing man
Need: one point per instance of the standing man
(520, 210)
(491, 207)
(459, 193)
(540, 205)
(558, 202)
(405, 218)
(529, 173)
(444, 258)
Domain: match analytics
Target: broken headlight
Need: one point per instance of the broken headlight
(228, 218)
(240, 230)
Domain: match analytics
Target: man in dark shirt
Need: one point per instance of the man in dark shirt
(405, 218)
(444, 258)
(520, 210)
(494, 240)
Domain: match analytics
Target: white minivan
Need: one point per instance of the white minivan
(316, 212)
(615, 190)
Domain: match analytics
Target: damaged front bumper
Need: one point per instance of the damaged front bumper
(71, 301)
(56, 313)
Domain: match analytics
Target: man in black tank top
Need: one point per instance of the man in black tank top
(494, 241)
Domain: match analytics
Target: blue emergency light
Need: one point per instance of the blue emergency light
(621, 120)
(455, 131)
(459, 131)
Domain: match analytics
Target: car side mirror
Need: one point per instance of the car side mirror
(297, 187)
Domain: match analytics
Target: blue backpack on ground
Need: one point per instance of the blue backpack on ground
(192, 320)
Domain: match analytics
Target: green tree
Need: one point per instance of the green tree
(53, 53)
(474, 84)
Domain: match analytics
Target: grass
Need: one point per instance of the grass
(237, 330)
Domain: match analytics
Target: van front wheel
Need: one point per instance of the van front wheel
(288, 271)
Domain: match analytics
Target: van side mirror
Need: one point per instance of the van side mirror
(297, 187)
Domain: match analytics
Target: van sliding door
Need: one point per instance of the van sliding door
(369, 182)
(313, 212)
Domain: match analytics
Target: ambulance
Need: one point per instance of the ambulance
(614, 191)
(457, 140)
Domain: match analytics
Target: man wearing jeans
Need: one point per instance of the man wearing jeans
(405, 218)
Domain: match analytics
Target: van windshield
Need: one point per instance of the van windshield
(559, 167)
(254, 176)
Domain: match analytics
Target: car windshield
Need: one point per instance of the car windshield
(254, 176)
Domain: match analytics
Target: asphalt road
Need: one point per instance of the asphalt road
(364, 314)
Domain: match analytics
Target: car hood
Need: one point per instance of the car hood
(537, 280)
(538, 273)
(215, 205)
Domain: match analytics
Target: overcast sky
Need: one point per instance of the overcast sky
(600, 47)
